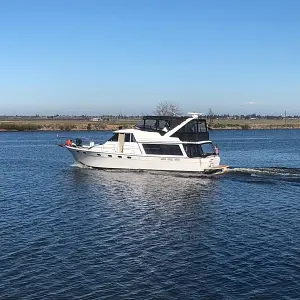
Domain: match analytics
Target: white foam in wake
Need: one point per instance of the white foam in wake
(265, 171)
(79, 165)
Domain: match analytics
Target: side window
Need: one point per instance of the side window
(192, 150)
(171, 149)
(152, 149)
(114, 138)
(194, 126)
(207, 149)
(127, 137)
(201, 127)
(196, 150)
(132, 138)
(162, 149)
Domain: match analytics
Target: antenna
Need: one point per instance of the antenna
(195, 115)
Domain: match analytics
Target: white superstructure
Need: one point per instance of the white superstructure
(158, 143)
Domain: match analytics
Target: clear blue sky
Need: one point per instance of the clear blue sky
(125, 56)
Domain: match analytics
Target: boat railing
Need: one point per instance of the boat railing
(74, 141)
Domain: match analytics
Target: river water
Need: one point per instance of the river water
(76, 233)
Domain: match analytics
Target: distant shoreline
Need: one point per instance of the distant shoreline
(85, 125)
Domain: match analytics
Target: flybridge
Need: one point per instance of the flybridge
(159, 123)
(185, 128)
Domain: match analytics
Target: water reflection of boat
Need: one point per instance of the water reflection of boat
(147, 185)
(143, 205)
(158, 143)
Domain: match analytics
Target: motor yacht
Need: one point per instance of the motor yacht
(163, 143)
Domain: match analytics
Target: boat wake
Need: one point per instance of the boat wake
(270, 175)
(80, 166)
(264, 175)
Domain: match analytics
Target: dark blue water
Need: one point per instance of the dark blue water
(75, 233)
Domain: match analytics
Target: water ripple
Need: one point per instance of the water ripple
(76, 233)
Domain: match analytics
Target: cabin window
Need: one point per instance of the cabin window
(208, 149)
(132, 138)
(114, 138)
(129, 137)
(192, 150)
(199, 150)
(159, 149)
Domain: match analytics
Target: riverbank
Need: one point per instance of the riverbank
(61, 125)
(84, 125)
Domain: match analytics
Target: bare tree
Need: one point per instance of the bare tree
(167, 109)
(210, 117)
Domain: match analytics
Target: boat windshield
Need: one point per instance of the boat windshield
(161, 124)
(199, 150)
(114, 138)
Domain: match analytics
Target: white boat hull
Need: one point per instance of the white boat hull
(104, 160)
